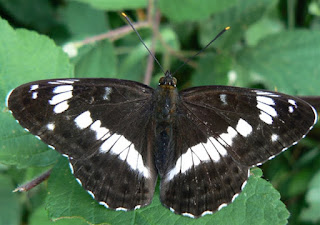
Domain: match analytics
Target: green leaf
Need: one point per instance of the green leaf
(40, 216)
(132, 65)
(261, 29)
(96, 60)
(212, 70)
(36, 13)
(259, 203)
(115, 4)
(25, 56)
(190, 10)
(9, 204)
(20, 148)
(83, 21)
(287, 61)
(311, 213)
(238, 17)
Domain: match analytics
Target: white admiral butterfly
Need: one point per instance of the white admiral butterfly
(120, 135)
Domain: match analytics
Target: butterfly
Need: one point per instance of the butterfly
(121, 135)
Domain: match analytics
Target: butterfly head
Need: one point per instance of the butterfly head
(168, 81)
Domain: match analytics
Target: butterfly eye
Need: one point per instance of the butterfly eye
(162, 81)
(174, 81)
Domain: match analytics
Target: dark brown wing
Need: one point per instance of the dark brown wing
(220, 133)
(101, 126)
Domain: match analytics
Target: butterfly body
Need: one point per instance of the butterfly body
(120, 135)
(165, 113)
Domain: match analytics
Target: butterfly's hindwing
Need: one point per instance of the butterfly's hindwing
(100, 124)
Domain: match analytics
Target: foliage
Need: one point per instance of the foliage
(271, 44)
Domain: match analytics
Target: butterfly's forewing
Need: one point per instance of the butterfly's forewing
(223, 131)
(101, 125)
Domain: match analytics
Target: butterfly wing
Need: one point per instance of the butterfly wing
(100, 125)
(227, 130)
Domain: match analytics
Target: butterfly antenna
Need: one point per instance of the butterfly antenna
(130, 23)
(202, 50)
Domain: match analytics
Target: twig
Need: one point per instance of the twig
(155, 27)
(116, 33)
(173, 52)
(36, 181)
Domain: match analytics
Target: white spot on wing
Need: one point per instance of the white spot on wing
(107, 93)
(212, 150)
(62, 88)
(34, 87)
(187, 161)
(183, 164)
(79, 181)
(228, 137)
(71, 169)
(50, 126)
(267, 109)
(271, 157)
(68, 81)
(234, 197)
(292, 102)
(199, 153)
(274, 137)
(107, 144)
(265, 100)
(243, 185)
(223, 99)
(34, 95)
(90, 193)
(100, 131)
(188, 215)
(217, 144)
(132, 158)
(175, 170)
(121, 209)
(84, 120)
(37, 137)
(222, 206)
(206, 213)
(104, 204)
(119, 145)
(61, 107)
(266, 118)
(244, 128)
(60, 97)
(290, 109)
(258, 92)
(202, 152)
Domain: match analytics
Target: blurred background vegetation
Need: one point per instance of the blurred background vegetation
(272, 44)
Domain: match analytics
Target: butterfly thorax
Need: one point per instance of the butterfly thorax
(165, 112)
